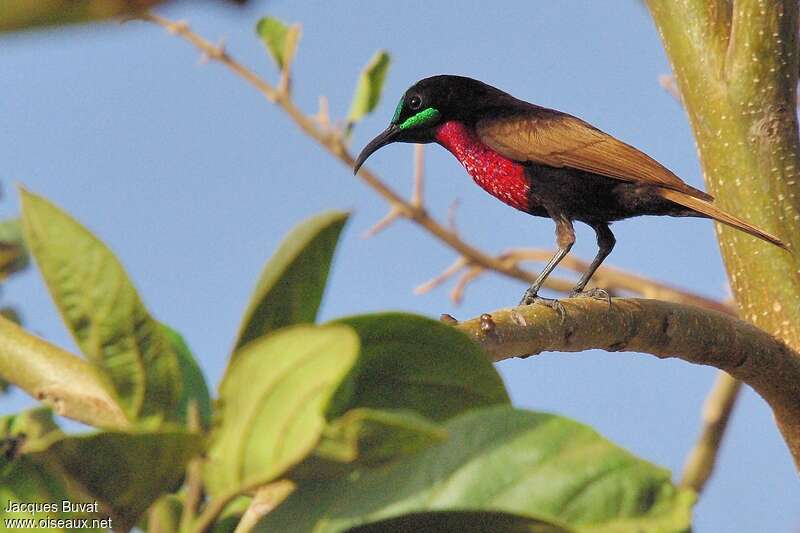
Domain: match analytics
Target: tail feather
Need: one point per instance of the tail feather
(719, 215)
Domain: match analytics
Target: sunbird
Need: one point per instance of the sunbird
(547, 164)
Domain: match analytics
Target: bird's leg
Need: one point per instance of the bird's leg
(565, 237)
(605, 243)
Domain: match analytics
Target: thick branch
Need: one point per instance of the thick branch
(67, 383)
(662, 329)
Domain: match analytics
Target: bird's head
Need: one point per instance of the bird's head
(428, 104)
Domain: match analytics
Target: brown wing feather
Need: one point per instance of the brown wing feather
(552, 138)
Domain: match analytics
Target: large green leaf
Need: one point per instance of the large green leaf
(370, 87)
(368, 438)
(272, 402)
(411, 362)
(291, 285)
(501, 460)
(462, 522)
(280, 39)
(373, 436)
(103, 310)
(193, 383)
(123, 472)
(25, 481)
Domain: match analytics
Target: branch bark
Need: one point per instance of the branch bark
(663, 329)
(71, 386)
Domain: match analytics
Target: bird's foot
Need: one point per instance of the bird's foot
(596, 293)
(531, 298)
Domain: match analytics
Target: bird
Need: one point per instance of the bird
(548, 164)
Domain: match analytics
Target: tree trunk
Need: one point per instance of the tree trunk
(736, 66)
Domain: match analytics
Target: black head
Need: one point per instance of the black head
(433, 101)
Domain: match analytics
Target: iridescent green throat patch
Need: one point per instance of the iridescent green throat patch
(422, 118)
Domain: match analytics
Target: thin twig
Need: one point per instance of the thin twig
(667, 82)
(216, 505)
(383, 223)
(333, 142)
(452, 211)
(265, 500)
(323, 115)
(194, 472)
(716, 414)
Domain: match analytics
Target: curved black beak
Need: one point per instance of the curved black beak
(388, 136)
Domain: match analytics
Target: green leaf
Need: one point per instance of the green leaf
(463, 522)
(164, 516)
(103, 311)
(75, 387)
(367, 438)
(281, 40)
(501, 460)
(369, 87)
(292, 283)
(193, 383)
(272, 402)
(411, 362)
(123, 472)
(13, 254)
(25, 14)
(26, 481)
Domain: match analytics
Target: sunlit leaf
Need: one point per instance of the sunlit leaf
(369, 87)
(103, 310)
(291, 285)
(415, 363)
(193, 383)
(272, 401)
(368, 438)
(280, 39)
(500, 460)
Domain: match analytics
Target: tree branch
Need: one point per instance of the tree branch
(333, 142)
(71, 386)
(658, 328)
(717, 411)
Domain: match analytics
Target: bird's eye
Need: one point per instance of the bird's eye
(414, 102)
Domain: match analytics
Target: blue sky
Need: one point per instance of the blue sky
(193, 178)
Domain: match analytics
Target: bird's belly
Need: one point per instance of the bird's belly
(499, 176)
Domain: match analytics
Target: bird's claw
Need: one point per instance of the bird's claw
(597, 293)
(532, 298)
